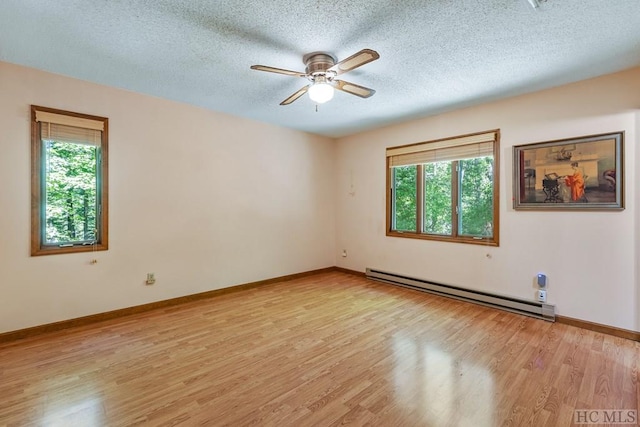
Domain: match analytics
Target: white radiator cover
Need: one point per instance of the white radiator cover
(515, 305)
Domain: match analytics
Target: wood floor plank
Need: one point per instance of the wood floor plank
(328, 349)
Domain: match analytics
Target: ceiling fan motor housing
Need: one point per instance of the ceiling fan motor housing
(318, 62)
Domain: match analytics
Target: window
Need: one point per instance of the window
(68, 182)
(445, 190)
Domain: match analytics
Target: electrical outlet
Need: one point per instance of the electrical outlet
(542, 295)
(344, 253)
(151, 279)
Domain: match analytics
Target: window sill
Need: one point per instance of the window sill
(55, 250)
(469, 240)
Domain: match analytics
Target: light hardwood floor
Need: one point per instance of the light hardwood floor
(329, 349)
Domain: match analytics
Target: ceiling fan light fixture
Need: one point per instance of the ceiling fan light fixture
(321, 91)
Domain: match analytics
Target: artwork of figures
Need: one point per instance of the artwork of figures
(582, 173)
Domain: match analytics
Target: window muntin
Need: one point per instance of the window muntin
(69, 182)
(456, 187)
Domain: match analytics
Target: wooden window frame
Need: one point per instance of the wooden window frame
(454, 237)
(37, 245)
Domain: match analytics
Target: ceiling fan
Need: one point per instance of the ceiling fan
(321, 70)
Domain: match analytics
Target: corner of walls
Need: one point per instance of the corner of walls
(633, 175)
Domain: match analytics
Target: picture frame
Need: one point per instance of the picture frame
(583, 173)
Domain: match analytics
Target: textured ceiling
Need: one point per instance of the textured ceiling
(435, 55)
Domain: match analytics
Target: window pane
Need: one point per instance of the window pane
(404, 198)
(70, 184)
(476, 197)
(437, 198)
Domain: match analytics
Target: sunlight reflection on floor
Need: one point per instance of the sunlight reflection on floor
(429, 383)
(86, 412)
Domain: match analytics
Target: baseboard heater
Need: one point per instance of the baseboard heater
(515, 305)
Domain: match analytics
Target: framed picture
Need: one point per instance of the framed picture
(584, 173)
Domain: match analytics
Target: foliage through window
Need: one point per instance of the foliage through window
(445, 189)
(69, 182)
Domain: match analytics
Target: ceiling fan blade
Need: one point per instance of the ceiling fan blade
(354, 89)
(278, 70)
(295, 96)
(354, 61)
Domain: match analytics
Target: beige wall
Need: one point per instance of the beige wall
(203, 200)
(182, 205)
(590, 258)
